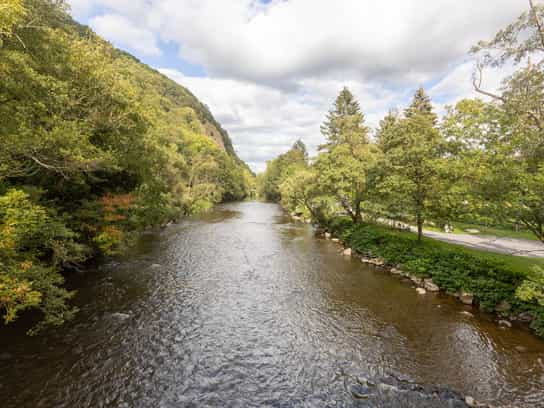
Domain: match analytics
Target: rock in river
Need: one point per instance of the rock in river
(466, 298)
(347, 252)
(421, 291)
(120, 316)
(430, 285)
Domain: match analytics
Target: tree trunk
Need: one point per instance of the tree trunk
(419, 220)
(358, 216)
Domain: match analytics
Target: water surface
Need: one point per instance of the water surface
(243, 308)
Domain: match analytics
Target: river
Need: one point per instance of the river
(241, 307)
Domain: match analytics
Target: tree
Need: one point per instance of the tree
(421, 105)
(520, 102)
(344, 121)
(415, 146)
(346, 165)
(280, 168)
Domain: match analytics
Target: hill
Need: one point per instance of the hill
(95, 147)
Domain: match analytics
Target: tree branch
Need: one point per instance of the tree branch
(477, 83)
(537, 21)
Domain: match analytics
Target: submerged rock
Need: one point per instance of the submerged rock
(5, 356)
(525, 317)
(360, 391)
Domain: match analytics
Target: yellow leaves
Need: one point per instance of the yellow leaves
(7, 238)
(16, 295)
(11, 13)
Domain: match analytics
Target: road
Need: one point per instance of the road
(511, 246)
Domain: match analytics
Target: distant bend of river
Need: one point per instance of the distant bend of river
(241, 307)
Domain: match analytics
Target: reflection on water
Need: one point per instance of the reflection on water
(239, 307)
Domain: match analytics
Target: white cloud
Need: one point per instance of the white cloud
(275, 69)
(123, 33)
(264, 121)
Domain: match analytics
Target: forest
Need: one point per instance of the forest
(481, 163)
(95, 147)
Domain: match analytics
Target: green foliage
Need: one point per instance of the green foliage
(532, 289)
(279, 169)
(111, 146)
(34, 245)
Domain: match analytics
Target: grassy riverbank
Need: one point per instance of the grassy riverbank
(491, 278)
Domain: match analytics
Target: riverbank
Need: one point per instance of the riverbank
(482, 279)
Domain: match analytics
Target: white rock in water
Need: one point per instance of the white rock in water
(120, 316)
(416, 280)
(466, 298)
(155, 266)
(335, 240)
(505, 323)
(396, 271)
(421, 291)
(328, 235)
(470, 401)
(379, 262)
(347, 252)
(430, 285)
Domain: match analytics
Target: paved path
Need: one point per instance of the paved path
(511, 246)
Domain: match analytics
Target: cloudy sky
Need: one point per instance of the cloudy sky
(270, 69)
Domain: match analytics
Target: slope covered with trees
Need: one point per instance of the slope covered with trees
(94, 146)
(483, 162)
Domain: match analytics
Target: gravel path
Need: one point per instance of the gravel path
(511, 246)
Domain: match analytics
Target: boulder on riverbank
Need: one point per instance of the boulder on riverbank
(430, 285)
(347, 252)
(421, 291)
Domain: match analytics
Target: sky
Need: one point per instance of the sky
(270, 69)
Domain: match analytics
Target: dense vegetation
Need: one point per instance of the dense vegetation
(483, 162)
(94, 147)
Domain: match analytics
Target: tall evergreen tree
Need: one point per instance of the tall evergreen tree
(345, 122)
(385, 134)
(421, 104)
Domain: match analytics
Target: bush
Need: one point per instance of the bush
(34, 245)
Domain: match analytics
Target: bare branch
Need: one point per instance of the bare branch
(477, 83)
(537, 21)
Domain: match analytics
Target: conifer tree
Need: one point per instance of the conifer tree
(345, 122)
(421, 104)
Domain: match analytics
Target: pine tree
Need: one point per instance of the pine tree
(345, 121)
(421, 104)
(385, 135)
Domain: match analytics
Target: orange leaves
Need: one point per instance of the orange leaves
(113, 203)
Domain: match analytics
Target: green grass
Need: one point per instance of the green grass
(492, 278)
(461, 228)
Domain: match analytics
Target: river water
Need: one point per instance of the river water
(243, 308)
